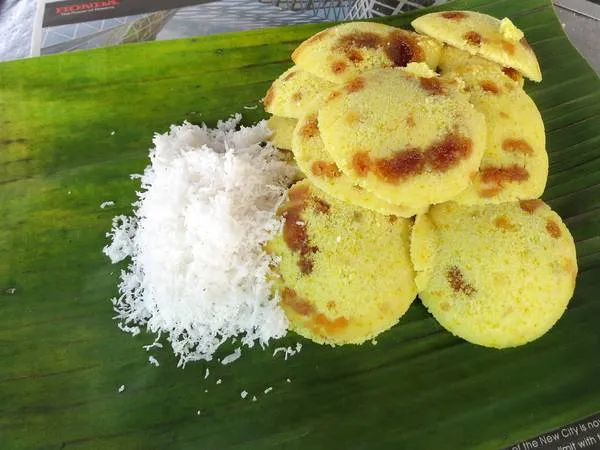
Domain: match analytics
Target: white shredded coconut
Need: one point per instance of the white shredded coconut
(198, 412)
(197, 270)
(231, 358)
(152, 360)
(122, 388)
(251, 107)
(254, 398)
(243, 394)
(288, 380)
(288, 351)
(207, 373)
(269, 389)
(219, 381)
(153, 345)
(106, 204)
(112, 133)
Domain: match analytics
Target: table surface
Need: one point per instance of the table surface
(581, 20)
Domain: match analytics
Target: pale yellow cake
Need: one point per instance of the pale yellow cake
(410, 140)
(494, 275)
(345, 273)
(515, 161)
(455, 60)
(323, 172)
(293, 91)
(341, 52)
(282, 129)
(480, 34)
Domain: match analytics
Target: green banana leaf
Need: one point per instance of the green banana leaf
(63, 359)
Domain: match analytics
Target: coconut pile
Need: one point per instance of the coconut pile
(197, 270)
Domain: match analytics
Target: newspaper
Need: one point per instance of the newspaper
(69, 25)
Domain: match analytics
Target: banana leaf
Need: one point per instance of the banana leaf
(63, 359)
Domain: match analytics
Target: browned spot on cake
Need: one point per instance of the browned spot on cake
(321, 323)
(331, 305)
(432, 85)
(269, 97)
(350, 44)
(295, 234)
(290, 75)
(402, 48)
(361, 163)
(503, 223)
(297, 96)
(357, 216)
(489, 86)
(360, 40)
(354, 55)
(439, 156)
(504, 115)
(333, 95)
(512, 73)
(473, 38)
(321, 206)
(305, 264)
(352, 117)
(490, 192)
(290, 298)
(410, 121)
(499, 175)
(310, 129)
(454, 15)
(448, 152)
(355, 85)
(553, 229)
(338, 67)
(392, 218)
(298, 194)
(457, 282)
(570, 266)
(445, 306)
(325, 169)
(508, 47)
(517, 146)
(400, 166)
(530, 205)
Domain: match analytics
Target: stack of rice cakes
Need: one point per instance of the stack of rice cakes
(424, 159)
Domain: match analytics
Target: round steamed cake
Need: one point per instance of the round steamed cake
(344, 272)
(341, 52)
(282, 129)
(455, 60)
(494, 275)
(411, 140)
(515, 161)
(293, 91)
(323, 172)
(479, 34)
